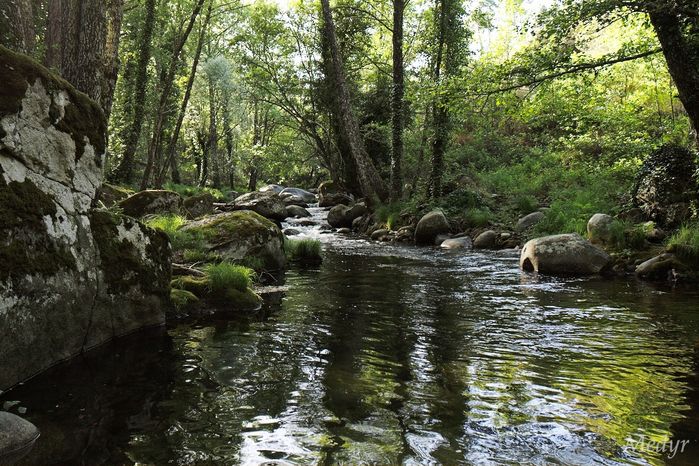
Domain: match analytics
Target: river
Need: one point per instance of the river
(392, 354)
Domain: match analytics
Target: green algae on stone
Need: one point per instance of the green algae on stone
(83, 118)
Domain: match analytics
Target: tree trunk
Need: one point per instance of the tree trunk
(682, 56)
(161, 113)
(19, 15)
(369, 181)
(171, 161)
(125, 171)
(440, 113)
(213, 137)
(397, 102)
(54, 35)
(84, 38)
(115, 13)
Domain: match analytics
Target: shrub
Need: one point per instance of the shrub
(477, 217)
(526, 204)
(685, 243)
(304, 250)
(225, 276)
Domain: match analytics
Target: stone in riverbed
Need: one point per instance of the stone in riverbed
(305, 196)
(344, 231)
(330, 194)
(457, 243)
(486, 240)
(17, 437)
(342, 216)
(566, 254)
(291, 232)
(241, 235)
(378, 234)
(271, 188)
(297, 212)
(267, 204)
(152, 202)
(430, 226)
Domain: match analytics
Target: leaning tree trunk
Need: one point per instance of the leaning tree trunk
(125, 171)
(397, 101)
(170, 155)
(369, 180)
(162, 113)
(681, 50)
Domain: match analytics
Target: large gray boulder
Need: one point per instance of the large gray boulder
(152, 202)
(529, 221)
(568, 254)
(242, 236)
(267, 204)
(71, 277)
(342, 216)
(305, 196)
(600, 228)
(430, 226)
(17, 437)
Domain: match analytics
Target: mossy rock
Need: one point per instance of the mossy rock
(152, 202)
(183, 300)
(83, 118)
(241, 237)
(199, 205)
(26, 247)
(230, 298)
(133, 254)
(109, 194)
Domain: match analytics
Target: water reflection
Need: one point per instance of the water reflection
(392, 355)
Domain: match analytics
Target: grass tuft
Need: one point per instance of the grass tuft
(225, 276)
(171, 225)
(304, 250)
(685, 243)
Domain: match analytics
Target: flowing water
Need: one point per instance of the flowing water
(392, 354)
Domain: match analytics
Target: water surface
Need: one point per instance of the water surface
(392, 354)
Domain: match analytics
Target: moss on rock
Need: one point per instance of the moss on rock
(83, 118)
(152, 202)
(229, 298)
(242, 236)
(26, 248)
(124, 265)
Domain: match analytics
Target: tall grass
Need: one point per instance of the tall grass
(224, 276)
(304, 250)
(685, 243)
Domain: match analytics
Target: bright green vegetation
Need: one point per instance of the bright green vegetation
(225, 276)
(685, 243)
(182, 299)
(303, 250)
(188, 242)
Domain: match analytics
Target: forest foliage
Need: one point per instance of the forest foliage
(495, 106)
